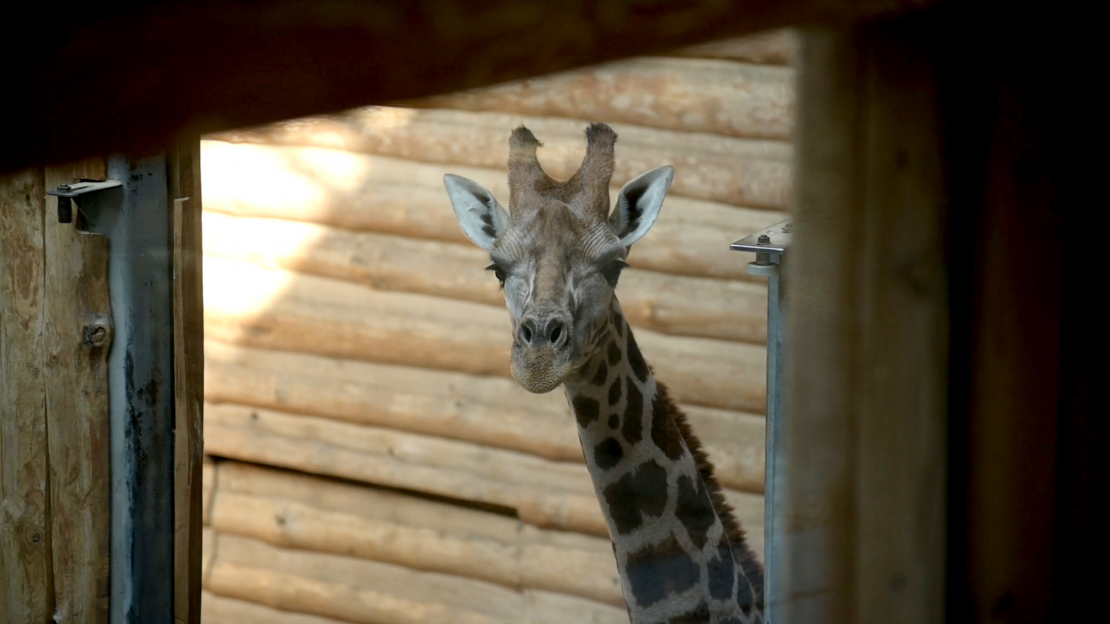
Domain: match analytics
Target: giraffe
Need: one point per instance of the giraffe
(558, 254)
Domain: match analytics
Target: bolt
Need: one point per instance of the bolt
(764, 239)
(788, 228)
(36, 538)
(96, 335)
(64, 187)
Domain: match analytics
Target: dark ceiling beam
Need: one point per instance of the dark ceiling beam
(132, 75)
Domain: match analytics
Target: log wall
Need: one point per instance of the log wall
(369, 457)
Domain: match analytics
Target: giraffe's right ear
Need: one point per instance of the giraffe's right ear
(482, 218)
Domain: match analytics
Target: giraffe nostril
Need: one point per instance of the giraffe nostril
(556, 332)
(525, 332)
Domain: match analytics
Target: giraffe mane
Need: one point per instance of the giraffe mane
(741, 552)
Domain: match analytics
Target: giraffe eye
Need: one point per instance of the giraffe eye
(612, 272)
(498, 272)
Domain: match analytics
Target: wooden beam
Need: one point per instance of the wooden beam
(773, 47)
(78, 340)
(105, 82)
(865, 513)
(26, 592)
(188, 328)
(714, 96)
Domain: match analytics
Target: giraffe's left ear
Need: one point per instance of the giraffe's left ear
(638, 204)
(480, 214)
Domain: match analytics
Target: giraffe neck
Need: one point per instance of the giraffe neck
(680, 553)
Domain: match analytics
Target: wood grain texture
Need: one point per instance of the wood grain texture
(78, 338)
(683, 94)
(25, 558)
(188, 327)
(216, 609)
(686, 306)
(485, 410)
(322, 515)
(741, 172)
(394, 196)
(773, 47)
(252, 306)
(362, 591)
(543, 493)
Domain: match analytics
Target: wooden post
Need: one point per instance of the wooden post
(24, 500)
(188, 329)
(78, 338)
(868, 356)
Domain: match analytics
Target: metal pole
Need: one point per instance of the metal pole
(769, 246)
(133, 210)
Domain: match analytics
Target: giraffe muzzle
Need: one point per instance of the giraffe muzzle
(541, 357)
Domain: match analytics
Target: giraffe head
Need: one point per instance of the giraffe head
(558, 250)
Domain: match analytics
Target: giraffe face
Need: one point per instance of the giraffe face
(558, 252)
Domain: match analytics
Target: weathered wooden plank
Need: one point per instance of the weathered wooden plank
(485, 410)
(188, 327)
(742, 172)
(78, 338)
(383, 194)
(322, 515)
(682, 94)
(252, 306)
(683, 306)
(775, 47)
(25, 560)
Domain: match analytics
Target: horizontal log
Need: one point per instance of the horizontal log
(389, 195)
(484, 410)
(742, 172)
(776, 47)
(216, 609)
(321, 515)
(492, 411)
(355, 590)
(252, 306)
(542, 492)
(685, 306)
(682, 94)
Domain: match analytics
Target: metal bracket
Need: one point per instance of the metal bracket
(92, 194)
(769, 246)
